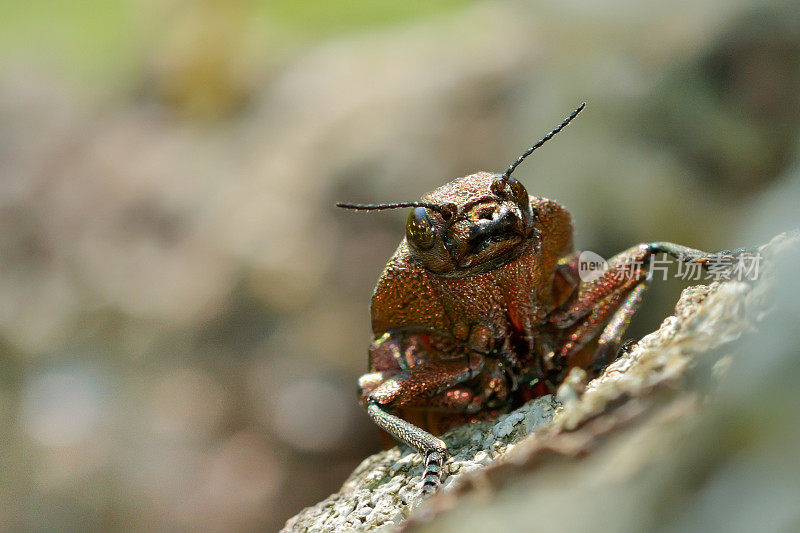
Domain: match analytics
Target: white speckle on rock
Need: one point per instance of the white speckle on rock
(482, 458)
(573, 386)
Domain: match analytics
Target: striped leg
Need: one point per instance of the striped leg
(432, 476)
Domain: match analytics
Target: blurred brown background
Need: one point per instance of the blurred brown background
(183, 312)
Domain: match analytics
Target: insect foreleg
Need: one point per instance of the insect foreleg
(433, 449)
(406, 386)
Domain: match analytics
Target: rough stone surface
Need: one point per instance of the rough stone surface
(382, 490)
(642, 407)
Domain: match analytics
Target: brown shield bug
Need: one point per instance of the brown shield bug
(482, 308)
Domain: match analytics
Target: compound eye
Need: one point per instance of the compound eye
(520, 193)
(419, 229)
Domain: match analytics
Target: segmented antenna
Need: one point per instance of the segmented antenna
(445, 210)
(448, 210)
(546, 138)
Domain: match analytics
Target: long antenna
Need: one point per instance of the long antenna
(546, 138)
(446, 210)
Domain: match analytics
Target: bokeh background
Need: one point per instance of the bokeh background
(183, 312)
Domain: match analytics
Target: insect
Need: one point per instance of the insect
(482, 308)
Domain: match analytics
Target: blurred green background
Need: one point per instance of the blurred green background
(183, 312)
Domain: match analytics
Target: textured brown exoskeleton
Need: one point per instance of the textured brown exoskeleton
(482, 308)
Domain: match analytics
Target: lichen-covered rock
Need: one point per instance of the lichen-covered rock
(381, 491)
(633, 440)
